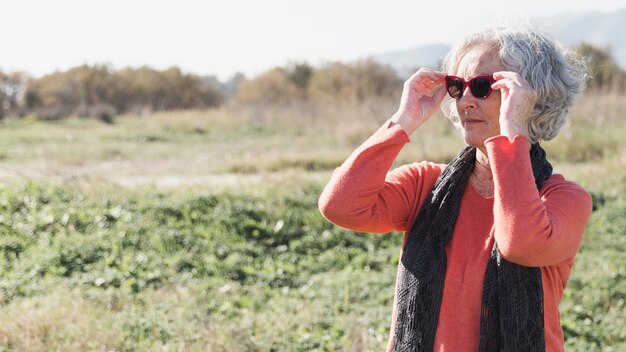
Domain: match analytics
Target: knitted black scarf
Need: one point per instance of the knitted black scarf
(512, 298)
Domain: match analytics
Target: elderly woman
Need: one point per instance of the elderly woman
(490, 238)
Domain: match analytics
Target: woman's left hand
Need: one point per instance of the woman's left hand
(518, 102)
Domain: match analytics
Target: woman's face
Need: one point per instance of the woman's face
(479, 118)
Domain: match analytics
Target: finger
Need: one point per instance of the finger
(504, 83)
(504, 74)
(422, 71)
(429, 73)
(516, 77)
(430, 70)
(429, 77)
(439, 93)
(425, 85)
(437, 75)
(426, 91)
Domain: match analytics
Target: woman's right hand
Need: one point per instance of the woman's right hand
(417, 104)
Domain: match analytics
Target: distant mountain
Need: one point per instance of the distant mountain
(603, 30)
(406, 62)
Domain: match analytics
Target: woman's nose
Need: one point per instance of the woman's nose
(467, 99)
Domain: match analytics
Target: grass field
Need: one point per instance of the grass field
(200, 231)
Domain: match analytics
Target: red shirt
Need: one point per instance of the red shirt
(532, 228)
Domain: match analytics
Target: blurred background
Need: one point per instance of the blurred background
(160, 164)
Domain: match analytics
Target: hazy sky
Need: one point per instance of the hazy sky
(223, 37)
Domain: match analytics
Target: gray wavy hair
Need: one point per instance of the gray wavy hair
(554, 72)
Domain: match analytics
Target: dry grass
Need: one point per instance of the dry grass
(58, 321)
(108, 321)
(168, 148)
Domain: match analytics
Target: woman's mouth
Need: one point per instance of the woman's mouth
(471, 121)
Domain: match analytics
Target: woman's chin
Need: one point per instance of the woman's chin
(476, 138)
(474, 141)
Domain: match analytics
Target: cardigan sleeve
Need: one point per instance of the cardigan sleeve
(534, 228)
(363, 195)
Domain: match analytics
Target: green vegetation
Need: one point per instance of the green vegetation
(242, 257)
(200, 231)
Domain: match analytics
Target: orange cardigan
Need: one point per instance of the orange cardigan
(532, 228)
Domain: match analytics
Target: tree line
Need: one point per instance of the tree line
(101, 92)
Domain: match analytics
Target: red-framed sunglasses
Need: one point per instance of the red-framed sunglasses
(480, 86)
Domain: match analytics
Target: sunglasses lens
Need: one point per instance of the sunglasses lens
(455, 87)
(480, 87)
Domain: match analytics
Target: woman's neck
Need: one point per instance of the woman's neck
(482, 178)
